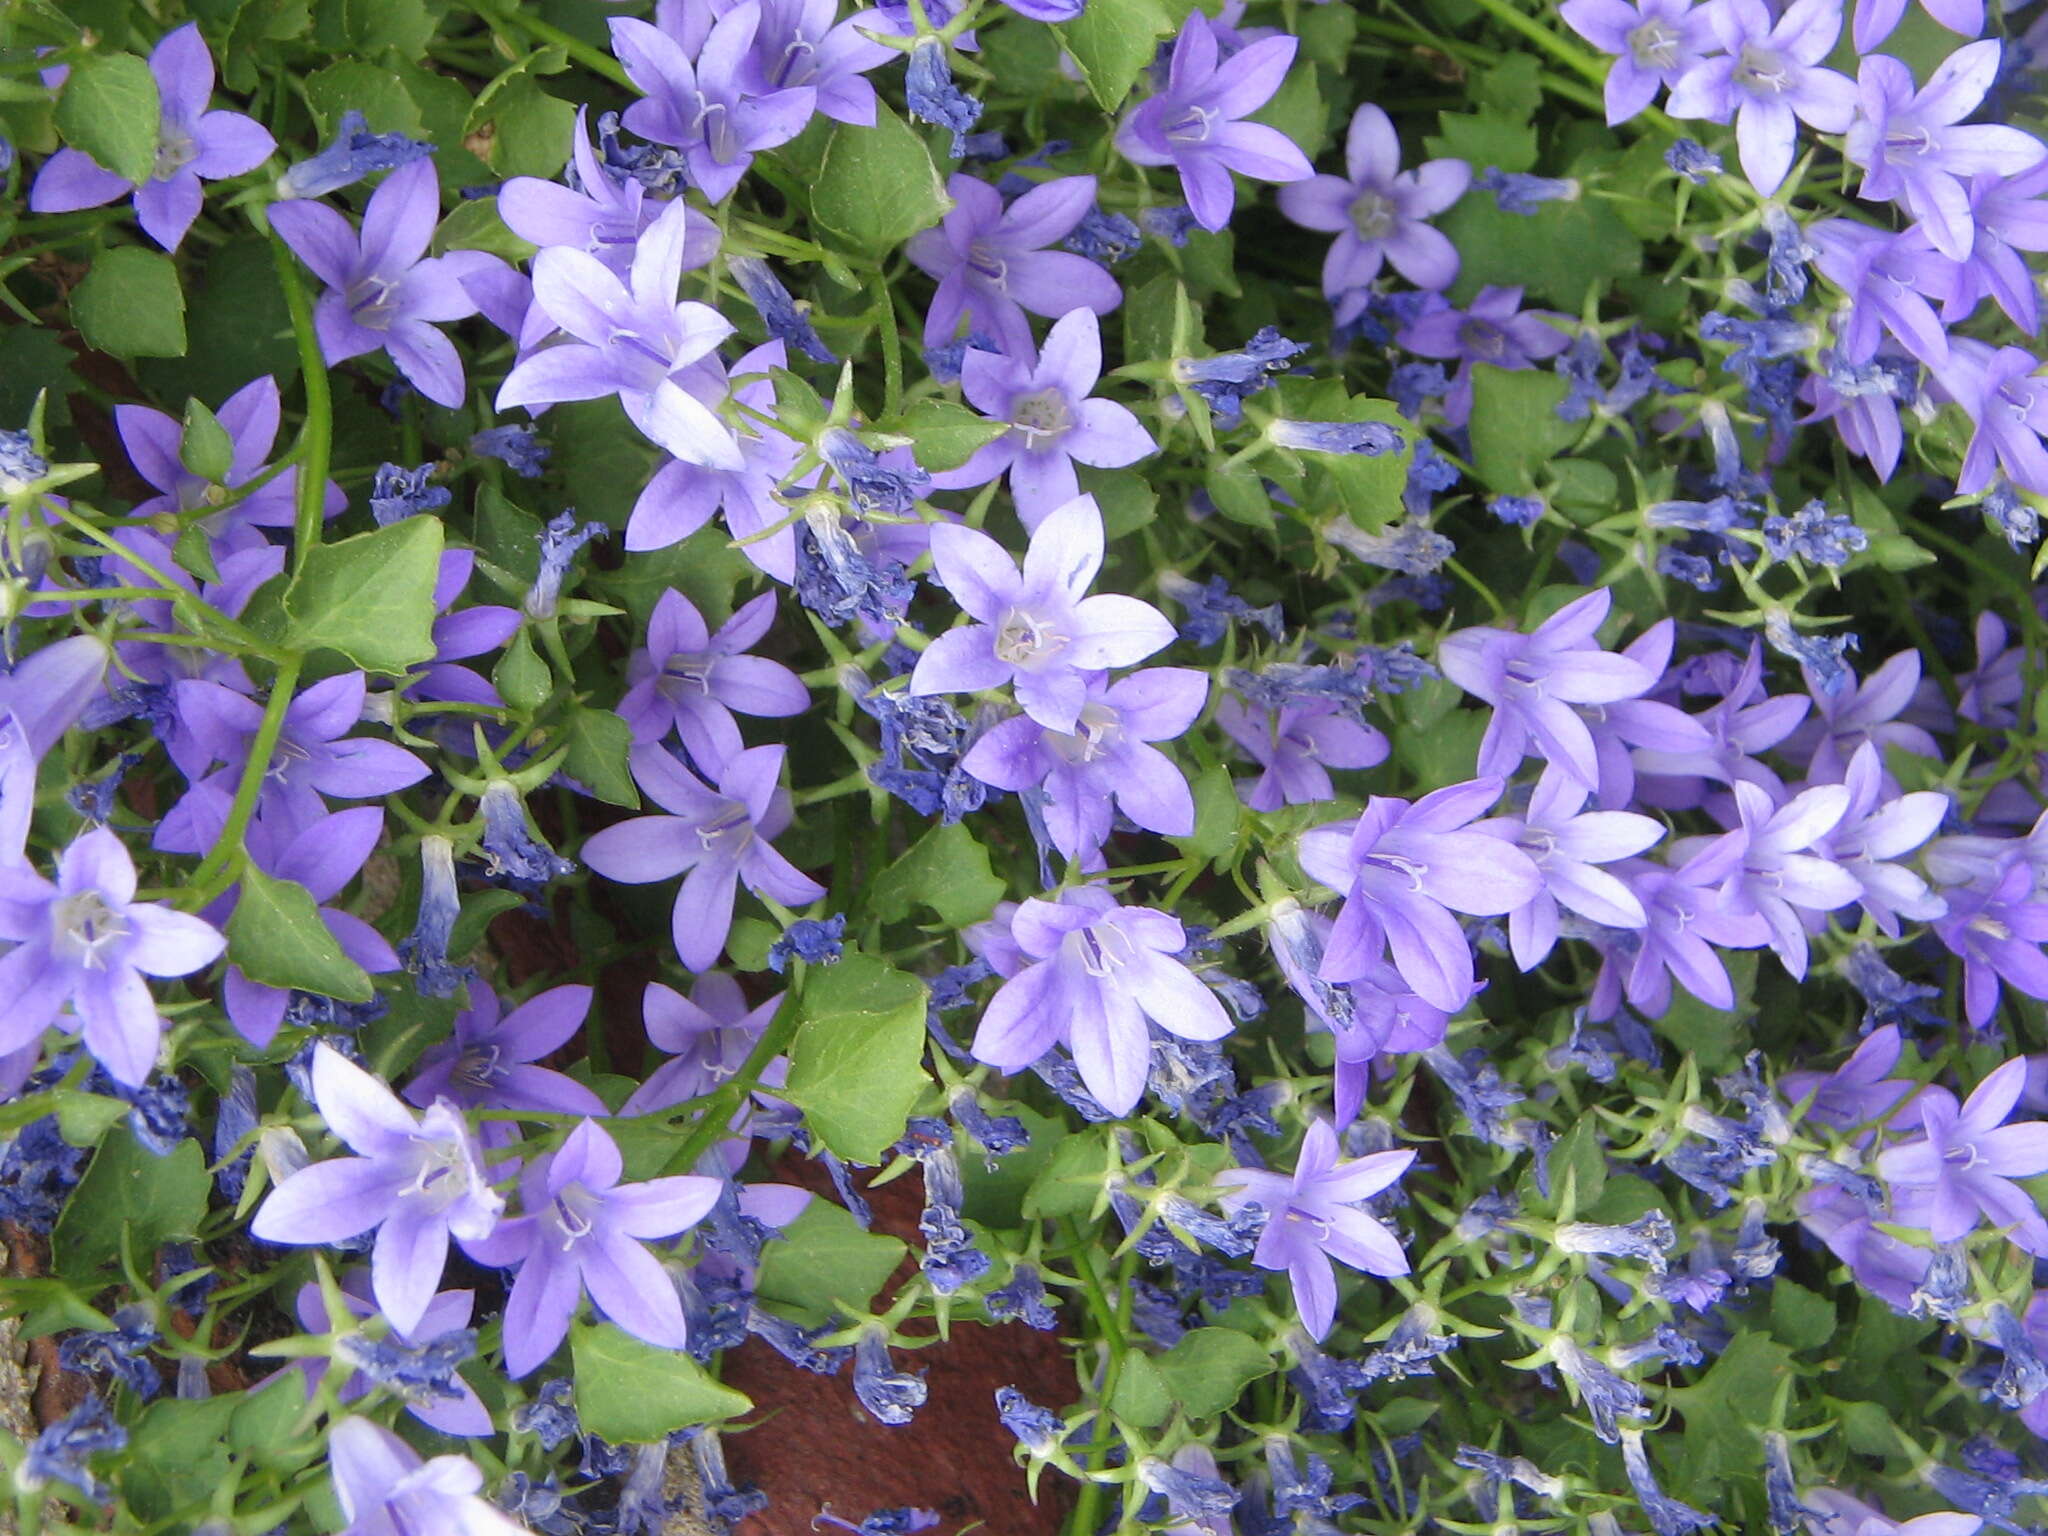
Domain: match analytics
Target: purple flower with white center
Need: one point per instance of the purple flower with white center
(1296, 745)
(1095, 973)
(1876, 19)
(798, 44)
(639, 344)
(386, 1490)
(1996, 928)
(1915, 149)
(1054, 425)
(1654, 42)
(690, 680)
(2000, 391)
(1402, 870)
(1566, 842)
(708, 1036)
(1775, 877)
(1888, 280)
(714, 837)
(602, 215)
(384, 293)
(416, 1180)
(1740, 725)
(1379, 212)
(991, 261)
(1838, 1513)
(1642, 723)
(1313, 1216)
(1961, 1169)
(709, 109)
(1768, 77)
(1878, 827)
(192, 145)
(87, 941)
(1534, 680)
(449, 1312)
(1495, 329)
(1858, 714)
(1036, 630)
(1106, 757)
(1194, 125)
(490, 1062)
(582, 1230)
(1858, 1092)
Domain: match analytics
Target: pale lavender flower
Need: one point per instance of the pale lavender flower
(708, 1036)
(1996, 927)
(719, 836)
(384, 293)
(192, 145)
(1878, 826)
(1654, 42)
(1772, 876)
(42, 698)
(1840, 1514)
(1876, 19)
(1961, 1169)
(799, 43)
(1295, 746)
(582, 1230)
(1054, 424)
(1313, 1216)
(602, 215)
(416, 1180)
(1194, 125)
(1768, 77)
(489, 1064)
(991, 264)
(1685, 924)
(2011, 217)
(1379, 212)
(386, 1490)
(1742, 723)
(690, 680)
(1888, 280)
(86, 940)
(1861, 713)
(1035, 629)
(1566, 843)
(1495, 329)
(2000, 391)
(1094, 973)
(1861, 1091)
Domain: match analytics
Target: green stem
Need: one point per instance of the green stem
(1088, 1501)
(718, 1109)
(595, 60)
(228, 846)
(316, 437)
(1545, 39)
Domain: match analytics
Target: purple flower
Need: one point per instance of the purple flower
(2010, 217)
(1654, 42)
(1095, 973)
(798, 44)
(709, 109)
(385, 1489)
(473, 631)
(1193, 124)
(1913, 152)
(1876, 19)
(1841, 1514)
(1378, 211)
(1774, 877)
(1741, 724)
(690, 681)
(456, 1411)
(1296, 744)
(192, 144)
(582, 1231)
(86, 940)
(414, 1180)
(1054, 425)
(384, 293)
(1402, 870)
(1312, 1217)
(638, 344)
(1960, 1170)
(1999, 391)
(1996, 928)
(1768, 74)
(1106, 757)
(1494, 330)
(602, 215)
(489, 1063)
(1565, 842)
(1858, 1092)
(1036, 630)
(1888, 280)
(991, 263)
(719, 836)
(708, 1036)
(1685, 922)
(1878, 826)
(1856, 714)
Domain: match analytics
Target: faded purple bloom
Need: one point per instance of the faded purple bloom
(582, 1231)
(1296, 745)
(355, 153)
(1054, 424)
(1767, 77)
(1106, 757)
(719, 836)
(1565, 842)
(1495, 330)
(1880, 825)
(489, 1062)
(457, 1412)
(1654, 42)
(1036, 630)
(708, 1036)
(991, 263)
(2001, 392)
(690, 681)
(1961, 1169)
(1313, 1216)
(192, 144)
(1095, 973)
(1913, 152)
(1379, 212)
(384, 293)
(86, 940)
(638, 344)
(602, 215)
(709, 108)
(1402, 870)
(386, 1490)
(415, 1180)
(1193, 123)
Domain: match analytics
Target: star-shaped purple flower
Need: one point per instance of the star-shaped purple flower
(1295, 746)
(690, 680)
(2000, 391)
(1961, 1169)
(1768, 77)
(603, 214)
(1566, 843)
(1379, 212)
(385, 1488)
(708, 1036)
(1653, 43)
(1495, 329)
(489, 1064)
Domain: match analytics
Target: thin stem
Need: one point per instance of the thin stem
(316, 437)
(227, 848)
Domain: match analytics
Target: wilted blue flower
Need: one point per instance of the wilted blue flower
(396, 494)
(1022, 1300)
(1517, 511)
(122, 1352)
(779, 312)
(892, 1396)
(1667, 1515)
(59, 1453)
(1648, 1238)
(551, 1416)
(1606, 1397)
(1815, 535)
(998, 1135)
(1820, 654)
(425, 951)
(1516, 192)
(931, 94)
(1105, 238)
(516, 446)
(20, 465)
(1037, 1429)
(1370, 438)
(559, 542)
(1225, 380)
(810, 940)
(354, 154)
(1692, 160)
(1173, 223)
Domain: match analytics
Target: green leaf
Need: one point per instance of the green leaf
(947, 434)
(179, 1455)
(1126, 501)
(528, 130)
(857, 1063)
(1801, 1318)
(1515, 426)
(1240, 495)
(378, 94)
(945, 870)
(370, 597)
(278, 938)
(1069, 1182)
(130, 304)
(204, 447)
(598, 744)
(1483, 138)
(1217, 811)
(1897, 552)
(129, 1188)
(878, 186)
(110, 110)
(521, 676)
(1141, 1398)
(1112, 41)
(632, 1393)
(824, 1257)
(1714, 1035)
(1722, 1412)
(1210, 1367)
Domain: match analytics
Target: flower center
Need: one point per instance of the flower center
(373, 302)
(1043, 415)
(796, 66)
(571, 1216)
(1908, 143)
(1193, 126)
(443, 1174)
(175, 149)
(1961, 1158)
(84, 929)
(1653, 45)
(688, 672)
(1104, 950)
(1483, 339)
(1025, 640)
(1372, 215)
(1097, 734)
(477, 1068)
(728, 831)
(1399, 864)
(715, 124)
(982, 258)
(1762, 71)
